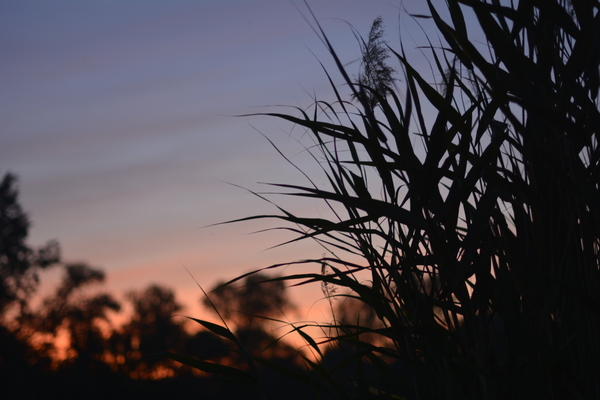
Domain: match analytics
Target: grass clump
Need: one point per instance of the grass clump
(478, 226)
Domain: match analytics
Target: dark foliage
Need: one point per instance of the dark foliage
(18, 262)
(257, 297)
(478, 224)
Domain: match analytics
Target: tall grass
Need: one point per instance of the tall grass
(479, 229)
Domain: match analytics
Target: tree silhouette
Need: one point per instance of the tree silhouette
(19, 265)
(77, 314)
(18, 262)
(248, 304)
(251, 305)
(151, 332)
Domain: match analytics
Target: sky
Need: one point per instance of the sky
(121, 120)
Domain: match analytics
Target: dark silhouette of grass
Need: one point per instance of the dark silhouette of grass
(480, 228)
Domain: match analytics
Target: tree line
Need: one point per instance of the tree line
(68, 342)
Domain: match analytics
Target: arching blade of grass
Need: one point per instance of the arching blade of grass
(214, 368)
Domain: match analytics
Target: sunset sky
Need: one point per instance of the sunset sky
(119, 119)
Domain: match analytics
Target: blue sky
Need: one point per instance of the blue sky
(118, 117)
